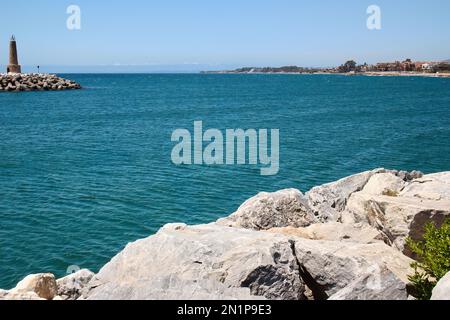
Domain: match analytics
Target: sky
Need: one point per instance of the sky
(193, 35)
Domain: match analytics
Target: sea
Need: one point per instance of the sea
(84, 172)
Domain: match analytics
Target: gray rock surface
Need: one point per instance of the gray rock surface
(212, 261)
(18, 295)
(329, 200)
(405, 212)
(335, 231)
(329, 266)
(384, 184)
(382, 284)
(435, 187)
(442, 289)
(271, 210)
(201, 262)
(40, 286)
(71, 286)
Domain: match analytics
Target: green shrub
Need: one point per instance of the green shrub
(390, 193)
(433, 259)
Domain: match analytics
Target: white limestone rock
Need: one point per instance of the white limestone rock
(380, 285)
(329, 200)
(435, 187)
(201, 262)
(217, 262)
(271, 210)
(335, 231)
(71, 286)
(405, 214)
(18, 295)
(384, 184)
(42, 285)
(442, 289)
(329, 266)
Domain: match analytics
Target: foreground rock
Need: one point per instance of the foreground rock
(400, 210)
(35, 82)
(381, 285)
(271, 210)
(330, 266)
(70, 287)
(335, 231)
(201, 262)
(16, 295)
(442, 289)
(217, 262)
(44, 286)
(378, 205)
(33, 287)
(330, 200)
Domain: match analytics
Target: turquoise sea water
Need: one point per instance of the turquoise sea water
(82, 173)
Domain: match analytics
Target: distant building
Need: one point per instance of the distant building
(427, 66)
(405, 66)
(13, 66)
(408, 65)
(388, 66)
(424, 66)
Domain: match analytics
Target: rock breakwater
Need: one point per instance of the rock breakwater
(35, 82)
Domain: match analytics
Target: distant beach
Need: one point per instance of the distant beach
(368, 74)
(406, 74)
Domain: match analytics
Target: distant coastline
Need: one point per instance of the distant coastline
(367, 74)
(408, 67)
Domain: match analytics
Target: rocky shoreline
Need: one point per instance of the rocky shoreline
(341, 241)
(14, 82)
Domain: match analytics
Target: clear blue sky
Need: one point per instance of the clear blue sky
(210, 34)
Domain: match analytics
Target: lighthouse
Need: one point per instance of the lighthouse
(13, 66)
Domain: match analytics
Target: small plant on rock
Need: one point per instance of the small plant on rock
(433, 259)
